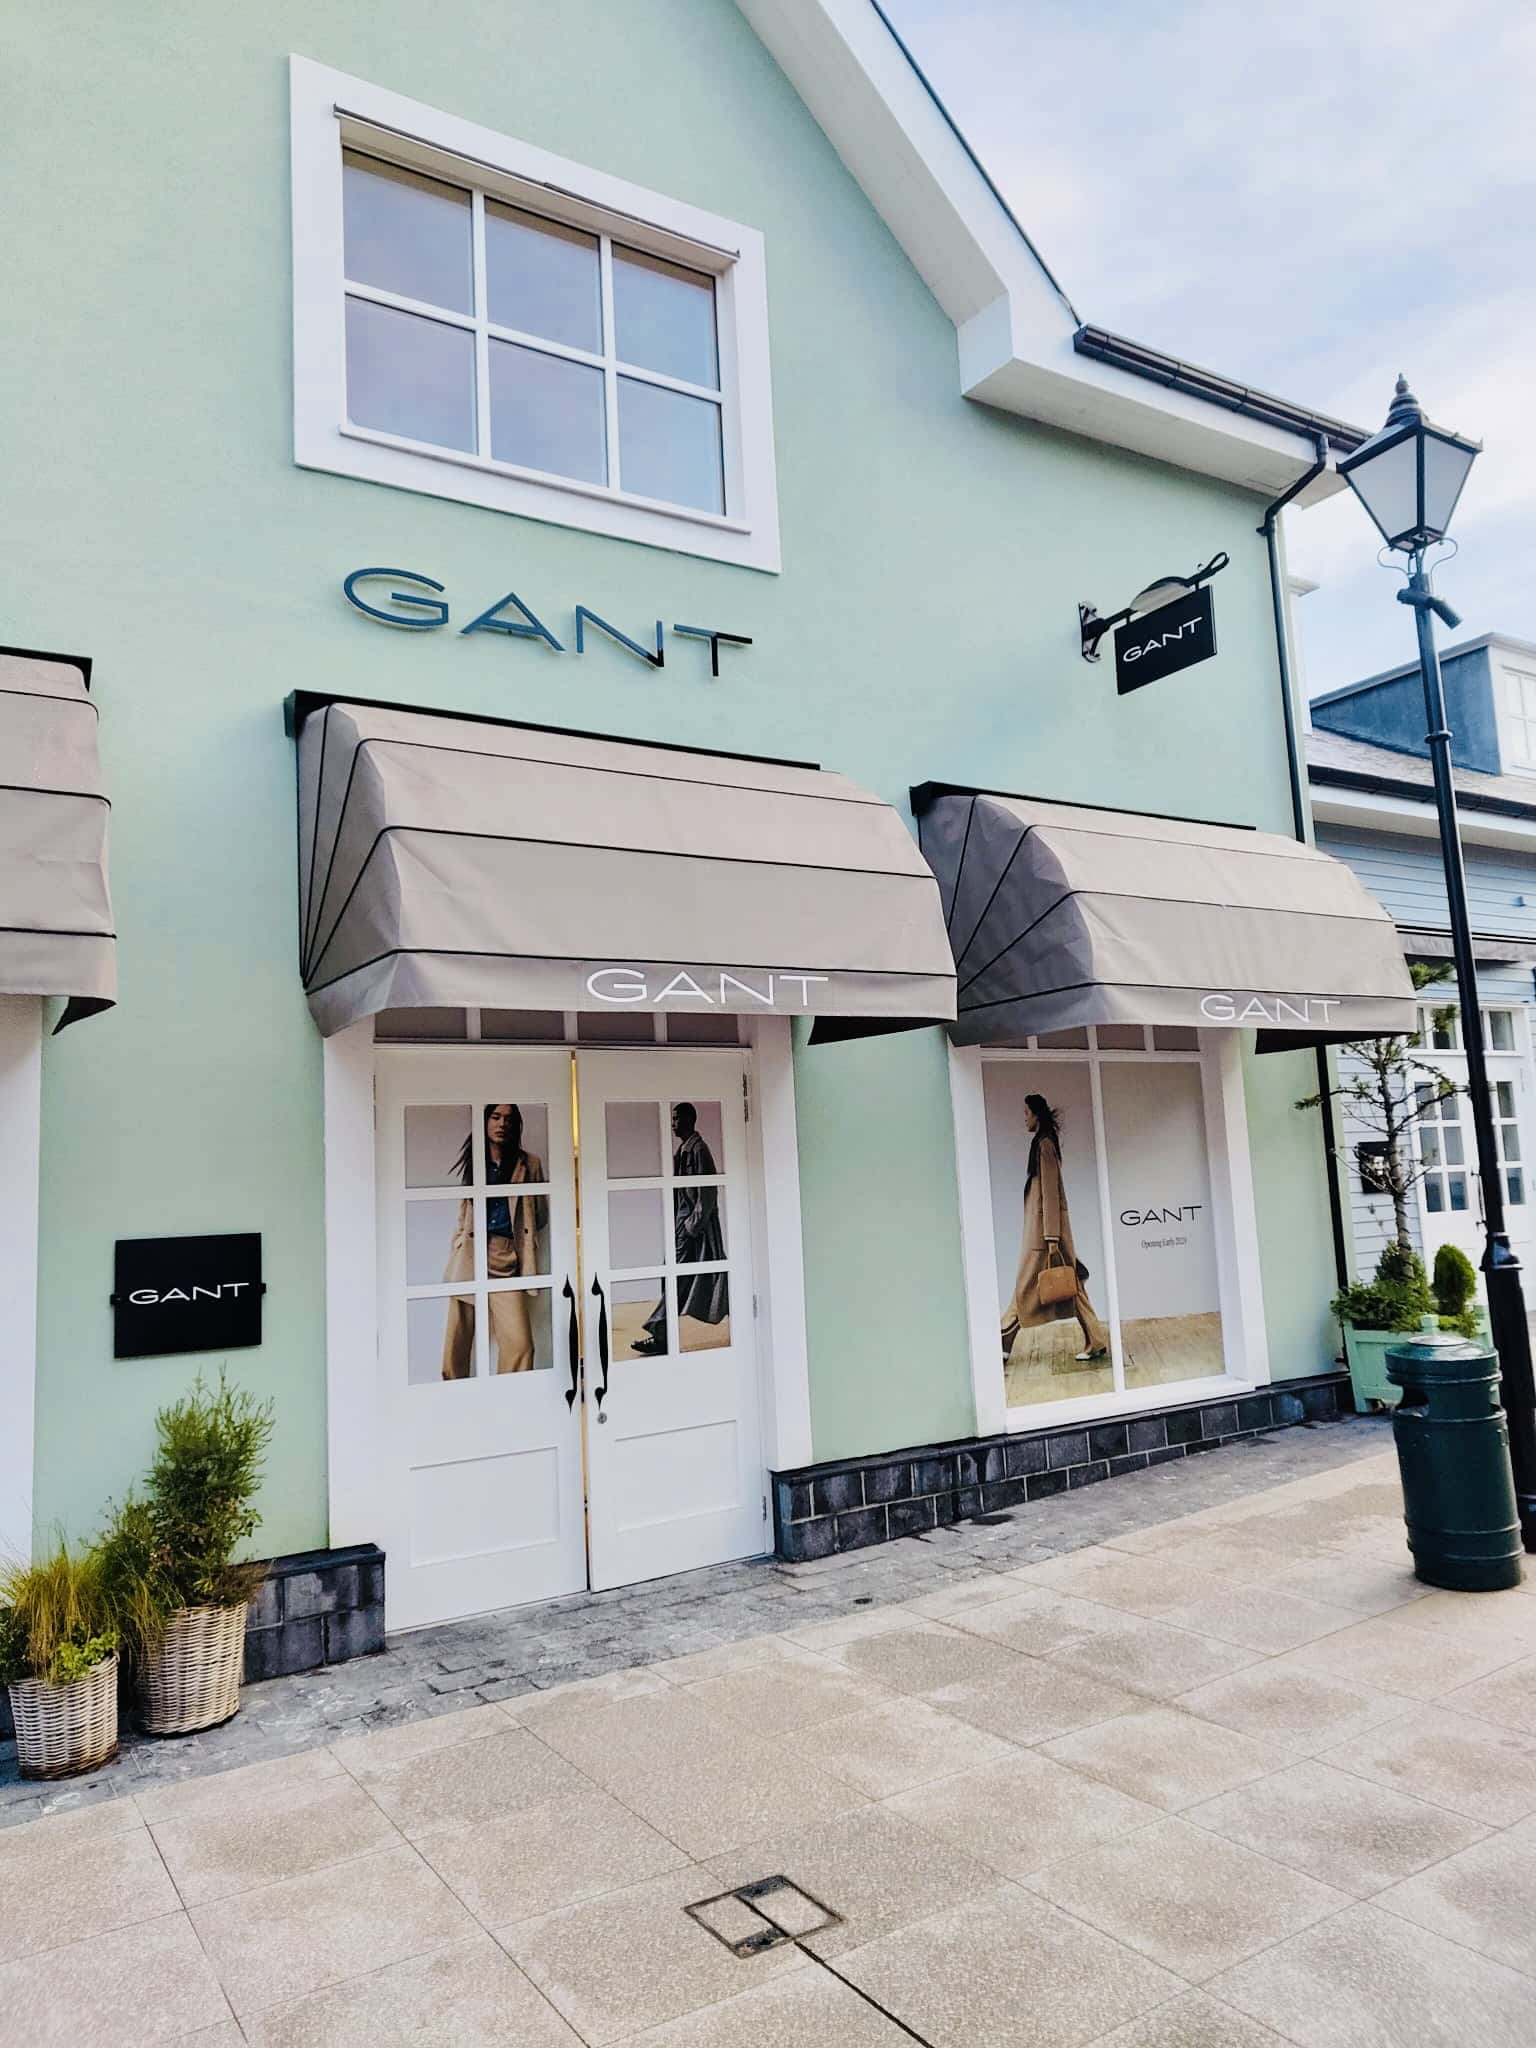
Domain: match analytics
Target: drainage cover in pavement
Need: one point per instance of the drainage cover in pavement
(762, 1915)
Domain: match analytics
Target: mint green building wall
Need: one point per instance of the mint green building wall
(924, 625)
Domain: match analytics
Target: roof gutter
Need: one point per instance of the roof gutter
(1137, 361)
(1269, 532)
(1416, 792)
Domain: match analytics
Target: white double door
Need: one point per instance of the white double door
(567, 1376)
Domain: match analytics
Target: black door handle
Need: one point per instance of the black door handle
(602, 1343)
(574, 1345)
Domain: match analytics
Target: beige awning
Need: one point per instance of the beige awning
(449, 861)
(1489, 949)
(1062, 915)
(56, 935)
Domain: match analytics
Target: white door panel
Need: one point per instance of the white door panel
(673, 1438)
(486, 1482)
(514, 1461)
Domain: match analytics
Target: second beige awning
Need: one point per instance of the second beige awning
(451, 861)
(1062, 915)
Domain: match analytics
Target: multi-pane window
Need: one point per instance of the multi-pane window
(1442, 1151)
(527, 343)
(1520, 716)
(1440, 1029)
(1444, 1129)
(1444, 1136)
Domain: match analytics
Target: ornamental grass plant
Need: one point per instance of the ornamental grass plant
(58, 1659)
(56, 1621)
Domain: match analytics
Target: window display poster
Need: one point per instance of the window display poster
(1164, 1231)
(1050, 1194)
(1046, 1224)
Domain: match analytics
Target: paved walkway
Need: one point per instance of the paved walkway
(1207, 1779)
(523, 1650)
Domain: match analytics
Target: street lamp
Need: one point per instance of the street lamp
(1409, 477)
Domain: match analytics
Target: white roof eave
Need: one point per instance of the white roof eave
(1014, 323)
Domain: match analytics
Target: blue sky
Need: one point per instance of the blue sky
(1307, 198)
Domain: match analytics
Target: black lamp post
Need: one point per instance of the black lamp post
(1409, 477)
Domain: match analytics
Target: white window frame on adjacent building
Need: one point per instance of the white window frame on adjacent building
(332, 111)
(1518, 718)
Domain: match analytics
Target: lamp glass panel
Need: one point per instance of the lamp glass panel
(1387, 485)
(1445, 471)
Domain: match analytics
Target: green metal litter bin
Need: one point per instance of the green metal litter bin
(1453, 1453)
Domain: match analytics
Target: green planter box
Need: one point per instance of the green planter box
(1367, 1351)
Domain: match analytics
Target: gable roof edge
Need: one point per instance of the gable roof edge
(1016, 325)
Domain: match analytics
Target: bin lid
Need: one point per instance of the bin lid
(1440, 1354)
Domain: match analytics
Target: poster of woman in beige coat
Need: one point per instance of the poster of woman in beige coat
(1048, 1242)
(513, 1226)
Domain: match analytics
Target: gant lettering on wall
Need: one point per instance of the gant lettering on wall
(515, 620)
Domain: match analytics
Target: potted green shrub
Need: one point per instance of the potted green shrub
(1376, 1314)
(58, 1660)
(1455, 1289)
(178, 1589)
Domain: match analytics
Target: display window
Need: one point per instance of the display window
(1106, 1238)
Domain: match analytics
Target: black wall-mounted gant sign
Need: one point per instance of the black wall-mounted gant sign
(186, 1294)
(1160, 643)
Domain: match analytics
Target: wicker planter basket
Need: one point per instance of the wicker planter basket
(192, 1680)
(62, 1730)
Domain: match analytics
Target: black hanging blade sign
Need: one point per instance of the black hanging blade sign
(1160, 643)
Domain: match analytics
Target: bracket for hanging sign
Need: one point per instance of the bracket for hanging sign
(1166, 590)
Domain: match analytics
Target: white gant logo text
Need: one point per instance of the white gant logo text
(630, 985)
(1169, 639)
(1227, 1009)
(150, 1297)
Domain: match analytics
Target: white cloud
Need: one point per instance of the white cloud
(1311, 199)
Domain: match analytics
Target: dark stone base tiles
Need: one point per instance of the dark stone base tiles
(316, 1607)
(823, 1510)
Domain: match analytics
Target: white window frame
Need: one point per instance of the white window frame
(1516, 725)
(332, 110)
(1514, 1063)
(1240, 1292)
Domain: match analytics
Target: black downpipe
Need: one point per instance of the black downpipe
(1270, 529)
